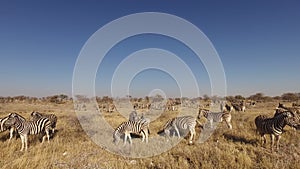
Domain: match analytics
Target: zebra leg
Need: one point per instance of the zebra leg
(277, 142)
(193, 134)
(229, 125)
(143, 136)
(125, 138)
(26, 142)
(177, 131)
(23, 142)
(272, 141)
(167, 133)
(263, 140)
(48, 135)
(211, 123)
(130, 141)
(146, 135)
(11, 133)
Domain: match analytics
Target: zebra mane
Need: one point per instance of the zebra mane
(16, 115)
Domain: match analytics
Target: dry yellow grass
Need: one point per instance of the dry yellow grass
(72, 148)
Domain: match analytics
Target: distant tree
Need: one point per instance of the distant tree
(276, 97)
(257, 97)
(239, 97)
(206, 97)
(230, 99)
(289, 97)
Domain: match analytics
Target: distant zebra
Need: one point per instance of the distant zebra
(133, 116)
(228, 107)
(25, 128)
(216, 117)
(292, 109)
(4, 126)
(239, 106)
(273, 126)
(181, 123)
(136, 127)
(52, 117)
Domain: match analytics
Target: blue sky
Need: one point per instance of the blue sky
(258, 43)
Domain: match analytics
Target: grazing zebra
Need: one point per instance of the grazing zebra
(216, 117)
(181, 123)
(4, 126)
(25, 128)
(273, 126)
(52, 117)
(136, 127)
(133, 116)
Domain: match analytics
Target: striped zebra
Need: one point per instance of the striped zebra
(216, 117)
(273, 126)
(181, 123)
(25, 128)
(135, 127)
(52, 117)
(4, 126)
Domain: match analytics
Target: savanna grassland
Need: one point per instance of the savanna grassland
(70, 147)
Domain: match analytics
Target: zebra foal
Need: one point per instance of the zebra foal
(25, 128)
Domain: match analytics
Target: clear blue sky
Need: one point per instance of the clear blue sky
(257, 41)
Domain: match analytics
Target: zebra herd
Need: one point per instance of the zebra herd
(140, 125)
(45, 125)
(38, 124)
(273, 125)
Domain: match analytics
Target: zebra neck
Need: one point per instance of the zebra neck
(18, 123)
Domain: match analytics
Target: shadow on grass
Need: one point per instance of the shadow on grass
(240, 139)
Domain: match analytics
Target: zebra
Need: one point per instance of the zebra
(216, 117)
(292, 109)
(52, 117)
(239, 106)
(4, 126)
(181, 123)
(135, 127)
(133, 116)
(273, 126)
(228, 107)
(24, 128)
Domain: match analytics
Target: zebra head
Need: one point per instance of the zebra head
(290, 119)
(202, 112)
(35, 115)
(281, 105)
(12, 118)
